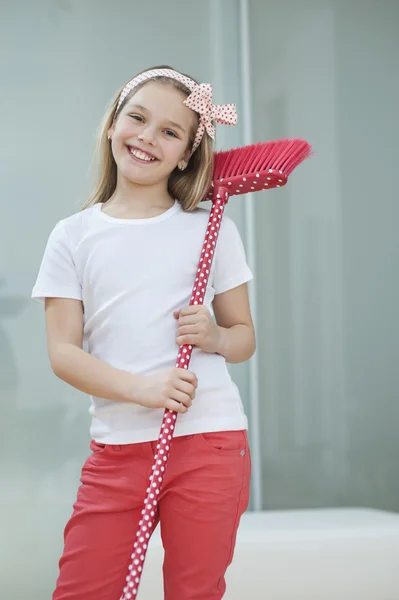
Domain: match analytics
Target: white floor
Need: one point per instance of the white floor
(344, 554)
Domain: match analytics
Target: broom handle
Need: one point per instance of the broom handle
(149, 511)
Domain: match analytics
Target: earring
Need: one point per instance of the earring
(109, 138)
(182, 165)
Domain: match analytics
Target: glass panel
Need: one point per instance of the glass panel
(328, 253)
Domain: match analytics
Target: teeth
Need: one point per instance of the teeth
(141, 155)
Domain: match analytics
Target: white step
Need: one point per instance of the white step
(328, 554)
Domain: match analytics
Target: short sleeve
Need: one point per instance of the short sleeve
(231, 268)
(57, 277)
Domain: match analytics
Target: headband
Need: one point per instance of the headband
(200, 101)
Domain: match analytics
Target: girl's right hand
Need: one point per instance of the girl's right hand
(173, 389)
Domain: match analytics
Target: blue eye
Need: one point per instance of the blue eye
(170, 133)
(137, 118)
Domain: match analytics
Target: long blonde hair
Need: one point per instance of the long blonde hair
(189, 187)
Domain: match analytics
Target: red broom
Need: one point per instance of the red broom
(238, 171)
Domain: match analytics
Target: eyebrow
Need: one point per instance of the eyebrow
(144, 109)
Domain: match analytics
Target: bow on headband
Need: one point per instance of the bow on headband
(200, 101)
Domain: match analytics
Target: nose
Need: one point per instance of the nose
(147, 135)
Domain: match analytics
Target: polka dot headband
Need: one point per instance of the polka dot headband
(200, 101)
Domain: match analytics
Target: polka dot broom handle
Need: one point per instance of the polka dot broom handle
(146, 523)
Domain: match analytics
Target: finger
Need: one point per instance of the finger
(184, 340)
(186, 375)
(186, 387)
(181, 397)
(176, 406)
(176, 314)
(187, 330)
(190, 310)
(189, 319)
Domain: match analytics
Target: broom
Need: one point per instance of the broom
(237, 171)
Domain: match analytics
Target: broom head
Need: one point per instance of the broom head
(257, 167)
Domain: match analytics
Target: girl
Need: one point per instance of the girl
(118, 276)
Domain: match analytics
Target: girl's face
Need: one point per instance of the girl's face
(151, 134)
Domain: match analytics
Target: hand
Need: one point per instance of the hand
(196, 327)
(173, 389)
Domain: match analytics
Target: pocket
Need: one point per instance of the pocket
(226, 443)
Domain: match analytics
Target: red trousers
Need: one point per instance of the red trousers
(204, 494)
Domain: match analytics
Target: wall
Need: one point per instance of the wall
(61, 63)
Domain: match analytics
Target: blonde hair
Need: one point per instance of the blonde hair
(189, 187)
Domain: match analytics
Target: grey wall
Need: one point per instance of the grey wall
(327, 261)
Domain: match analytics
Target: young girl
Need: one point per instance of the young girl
(118, 276)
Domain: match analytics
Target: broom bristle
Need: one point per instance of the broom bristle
(270, 163)
(283, 155)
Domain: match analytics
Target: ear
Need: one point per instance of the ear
(110, 131)
(186, 156)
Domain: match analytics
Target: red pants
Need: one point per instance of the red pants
(204, 494)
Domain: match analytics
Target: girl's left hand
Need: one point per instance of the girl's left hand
(196, 327)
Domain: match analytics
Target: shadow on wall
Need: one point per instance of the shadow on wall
(10, 306)
(41, 439)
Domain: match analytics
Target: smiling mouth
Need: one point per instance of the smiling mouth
(141, 156)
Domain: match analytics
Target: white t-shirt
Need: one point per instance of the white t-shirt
(131, 275)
